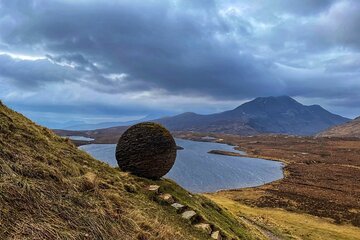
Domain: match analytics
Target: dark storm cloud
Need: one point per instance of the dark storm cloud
(156, 45)
(218, 49)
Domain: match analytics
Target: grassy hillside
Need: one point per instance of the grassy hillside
(51, 190)
(347, 130)
(289, 225)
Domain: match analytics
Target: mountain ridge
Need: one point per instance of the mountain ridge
(282, 115)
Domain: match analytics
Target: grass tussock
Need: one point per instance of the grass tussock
(51, 190)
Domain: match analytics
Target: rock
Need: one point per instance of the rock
(154, 188)
(179, 148)
(89, 181)
(216, 235)
(167, 198)
(188, 214)
(146, 150)
(177, 206)
(204, 227)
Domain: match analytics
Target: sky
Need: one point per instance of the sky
(119, 60)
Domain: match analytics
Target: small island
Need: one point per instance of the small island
(179, 147)
(221, 152)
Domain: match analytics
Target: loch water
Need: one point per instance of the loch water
(199, 171)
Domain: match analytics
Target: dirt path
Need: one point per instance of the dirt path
(268, 234)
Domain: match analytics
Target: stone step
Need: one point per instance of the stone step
(166, 197)
(179, 207)
(205, 227)
(154, 188)
(189, 215)
(216, 235)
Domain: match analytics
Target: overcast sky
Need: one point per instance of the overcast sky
(97, 61)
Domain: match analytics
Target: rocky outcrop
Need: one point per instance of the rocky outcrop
(146, 150)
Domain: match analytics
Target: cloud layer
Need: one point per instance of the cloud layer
(212, 52)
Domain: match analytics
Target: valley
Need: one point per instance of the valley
(322, 175)
(320, 189)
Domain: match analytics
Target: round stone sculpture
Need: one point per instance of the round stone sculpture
(147, 150)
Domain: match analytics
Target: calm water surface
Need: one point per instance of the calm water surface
(198, 171)
(80, 138)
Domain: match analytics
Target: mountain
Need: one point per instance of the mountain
(51, 190)
(282, 115)
(349, 129)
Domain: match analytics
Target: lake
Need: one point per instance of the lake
(198, 171)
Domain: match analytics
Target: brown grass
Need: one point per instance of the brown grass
(51, 190)
(322, 175)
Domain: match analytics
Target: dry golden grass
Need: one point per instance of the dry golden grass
(51, 190)
(289, 225)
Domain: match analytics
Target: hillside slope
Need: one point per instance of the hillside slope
(349, 129)
(262, 115)
(51, 190)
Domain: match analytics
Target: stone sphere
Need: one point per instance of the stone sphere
(146, 150)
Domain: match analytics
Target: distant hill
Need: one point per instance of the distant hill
(93, 126)
(107, 135)
(282, 115)
(279, 115)
(349, 129)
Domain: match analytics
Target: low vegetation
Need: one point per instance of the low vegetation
(322, 175)
(289, 225)
(349, 129)
(51, 190)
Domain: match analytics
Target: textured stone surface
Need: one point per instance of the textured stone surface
(188, 214)
(146, 150)
(154, 188)
(204, 227)
(216, 235)
(179, 207)
(167, 198)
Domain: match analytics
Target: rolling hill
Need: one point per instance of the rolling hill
(51, 190)
(349, 129)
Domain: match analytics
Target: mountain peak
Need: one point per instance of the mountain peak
(269, 104)
(272, 99)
